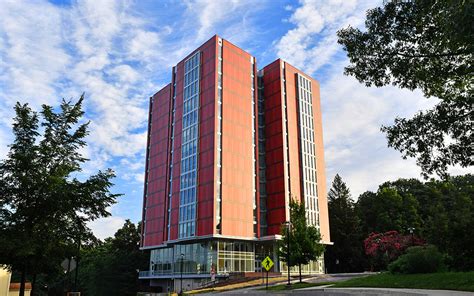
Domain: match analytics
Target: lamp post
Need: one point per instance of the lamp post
(181, 269)
(411, 230)
(288, 224)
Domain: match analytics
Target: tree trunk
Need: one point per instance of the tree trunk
(22, 281)
(299, 267)
(33, 285)
(68, 286)
(76, 274)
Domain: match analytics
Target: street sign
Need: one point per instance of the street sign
(267, 263)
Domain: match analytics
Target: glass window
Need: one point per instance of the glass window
(189, 145)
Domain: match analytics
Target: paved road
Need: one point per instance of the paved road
(336, 277)
(327, 291)
(317, 279)
(347, 292)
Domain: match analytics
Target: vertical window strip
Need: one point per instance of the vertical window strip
(307, 152)
(189, 148)
(261, 156)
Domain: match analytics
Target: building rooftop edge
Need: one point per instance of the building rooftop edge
(213, 236)
(162, 89)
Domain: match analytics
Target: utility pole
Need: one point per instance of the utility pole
(288, 224)
(182, 261)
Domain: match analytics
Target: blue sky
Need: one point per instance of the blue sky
(121, 52)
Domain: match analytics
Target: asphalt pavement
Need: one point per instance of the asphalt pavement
(328, 291)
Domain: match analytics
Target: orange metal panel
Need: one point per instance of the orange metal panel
(237, 149)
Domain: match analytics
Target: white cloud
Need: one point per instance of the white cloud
(32, 57)
(210, 12)
(106, 227)
(49, 52)
(353, 110)
(143, 45)
(313, 41)
(138, 178)
(379, 169)
(354, 145)
(125, 73)
(231, 19)
(134, 165)
(94, 24)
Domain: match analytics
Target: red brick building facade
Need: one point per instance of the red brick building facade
(228, 146)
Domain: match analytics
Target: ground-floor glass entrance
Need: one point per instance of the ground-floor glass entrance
(220, 255)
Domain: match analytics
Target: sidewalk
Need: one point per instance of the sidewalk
(254, 285)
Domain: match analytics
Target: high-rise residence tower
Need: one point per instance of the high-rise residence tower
(226, 150)
(293, 143)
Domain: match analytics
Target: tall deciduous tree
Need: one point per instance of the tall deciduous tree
(305, 240)
(449, 219)
(44, 208)
(426, 45)
(387, 210)
(111, 267)
(346, 255)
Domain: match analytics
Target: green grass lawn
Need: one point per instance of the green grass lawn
(293, 286)
(462, 281)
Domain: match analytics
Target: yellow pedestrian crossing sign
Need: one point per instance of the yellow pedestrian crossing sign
(267, 263)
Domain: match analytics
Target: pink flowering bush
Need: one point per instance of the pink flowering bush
(383, 248)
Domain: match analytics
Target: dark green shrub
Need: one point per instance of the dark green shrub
(420, 259)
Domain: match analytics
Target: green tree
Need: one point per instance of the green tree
(387, 210)
(16, 186)
(289, 249)
(366, 210)
(445, 210)
(433, 217)
(111, 267)
(346, 255)
(44, 208)
(453, 213)
(426, 45)
(305, 240)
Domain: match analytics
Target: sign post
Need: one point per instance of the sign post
(213, 276)
(267, 263)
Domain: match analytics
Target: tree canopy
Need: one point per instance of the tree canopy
(343, 255)
(110, 268)
(426, 45)
(44, 205)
